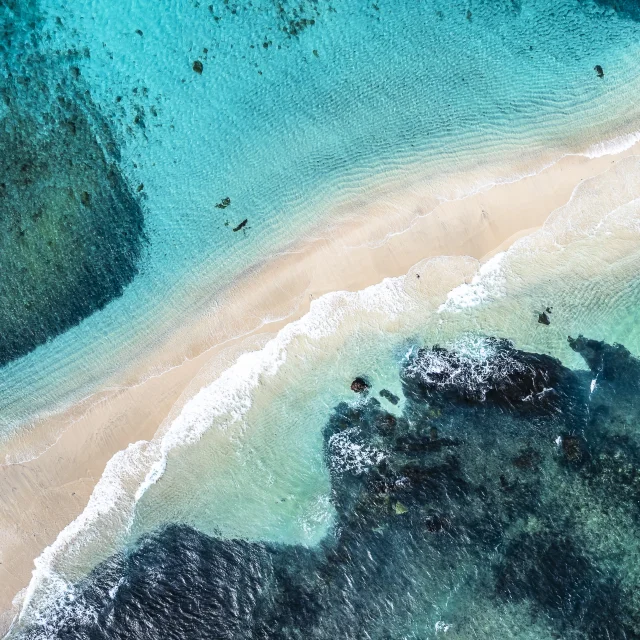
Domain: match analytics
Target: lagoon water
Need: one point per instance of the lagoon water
(294, 109)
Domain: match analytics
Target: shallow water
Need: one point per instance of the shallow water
(502, 500)
(250, 458)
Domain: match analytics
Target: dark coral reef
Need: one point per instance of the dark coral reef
(71, 228)
(502, 502)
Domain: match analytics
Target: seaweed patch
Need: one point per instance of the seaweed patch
(71, 227)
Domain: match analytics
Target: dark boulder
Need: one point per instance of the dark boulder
(574, 449)
(391, 397)
(416, 515)
(360, 385)
(610, 363)
(504, 378)
(242, 225)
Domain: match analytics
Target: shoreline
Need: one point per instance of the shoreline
(42, 495)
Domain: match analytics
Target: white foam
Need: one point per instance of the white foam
(228, 399)
(223, 402)
(478, 362)
(442, 627)
(487, 284)
(613, 146)
(348, 455)
(109, 499)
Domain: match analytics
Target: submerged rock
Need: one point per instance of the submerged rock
(242, 225)
(572, 448)
(599, 70)
(611, 364)
(543, 318)
(400, 509)
(391, 397)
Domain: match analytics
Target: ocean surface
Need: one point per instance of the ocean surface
(491, 491)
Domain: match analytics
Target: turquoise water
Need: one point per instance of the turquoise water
(258, 505)
(342, 97)
(342, 94)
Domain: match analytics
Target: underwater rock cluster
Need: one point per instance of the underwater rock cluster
(503, 502)
(71, 228)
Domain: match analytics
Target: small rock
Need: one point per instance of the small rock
(360, 385)
(387, 395)
(599, 70)
(572, 448)
(224, 203)
(436, 523)
(140, 187)
(386, 424)
(242, 225)
(527, 460)
(198, 67)
(543, 318)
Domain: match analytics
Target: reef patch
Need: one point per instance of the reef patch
(71, 227)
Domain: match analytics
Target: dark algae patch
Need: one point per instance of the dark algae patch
(625, 8)
(502, 503)
(71, 228)
(241, 226)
